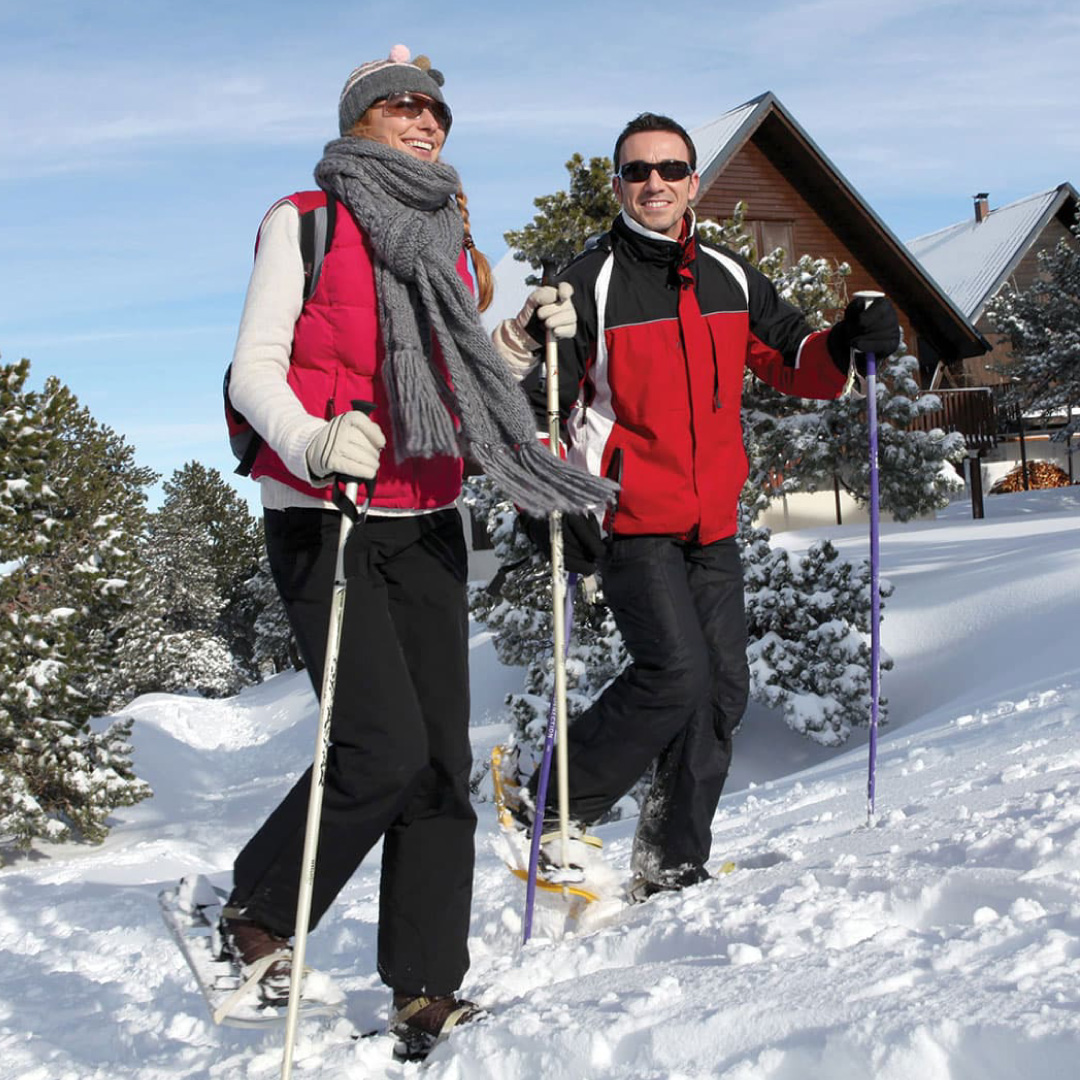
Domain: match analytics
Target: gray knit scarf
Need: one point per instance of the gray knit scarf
(407, 209)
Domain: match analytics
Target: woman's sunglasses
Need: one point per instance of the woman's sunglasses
(412, 105)
(638, 171)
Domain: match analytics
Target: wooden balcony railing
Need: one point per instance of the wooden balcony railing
(971, 412)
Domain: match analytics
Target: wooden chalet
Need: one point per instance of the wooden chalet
(797, 199)
(974, 261)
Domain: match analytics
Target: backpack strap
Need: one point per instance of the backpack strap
(316, 236)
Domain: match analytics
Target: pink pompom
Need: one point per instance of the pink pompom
(400, 54)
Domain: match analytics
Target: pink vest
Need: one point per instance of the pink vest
(337, 354)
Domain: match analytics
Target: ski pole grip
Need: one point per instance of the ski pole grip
(869, 295)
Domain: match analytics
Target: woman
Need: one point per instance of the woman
(391, 321)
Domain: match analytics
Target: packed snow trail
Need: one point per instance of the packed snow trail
(943, 943)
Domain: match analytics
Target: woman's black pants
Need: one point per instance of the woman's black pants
(399, 756)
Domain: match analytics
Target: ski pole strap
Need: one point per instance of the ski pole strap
(353, 512)
(494, 586)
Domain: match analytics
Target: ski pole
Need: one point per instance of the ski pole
(351, 516)
(875, 594)
(545, 773)
(558, 590)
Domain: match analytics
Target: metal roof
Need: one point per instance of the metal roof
(972, 260)
(716, 140)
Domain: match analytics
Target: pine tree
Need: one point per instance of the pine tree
(1042, 324)
(275, 649)
(808, 624)
(73, 505)
(567, 219)
(796, 445)
(103, 506)
(826, 444)
(202, 548)
(201, 511)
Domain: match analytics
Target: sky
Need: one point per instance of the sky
(938, 941)
(142, 141)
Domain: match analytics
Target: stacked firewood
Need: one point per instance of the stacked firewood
(1041, 474)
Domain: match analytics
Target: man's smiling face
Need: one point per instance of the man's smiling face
(654, 203)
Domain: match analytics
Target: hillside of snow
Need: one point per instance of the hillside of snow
(940, 942)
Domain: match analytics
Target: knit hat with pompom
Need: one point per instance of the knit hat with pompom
(378, 79)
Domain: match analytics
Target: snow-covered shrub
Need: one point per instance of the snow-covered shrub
(808, 622)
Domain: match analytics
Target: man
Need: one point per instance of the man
(650, 386)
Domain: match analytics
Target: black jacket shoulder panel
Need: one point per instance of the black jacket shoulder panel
(773, 320)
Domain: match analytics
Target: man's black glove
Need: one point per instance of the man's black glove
(582, 542)
(869, 325)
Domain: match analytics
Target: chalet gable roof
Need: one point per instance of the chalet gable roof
(765, 121)
(718, 140)
(972, 260)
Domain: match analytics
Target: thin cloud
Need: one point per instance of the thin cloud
(85, 337)
(132, 108)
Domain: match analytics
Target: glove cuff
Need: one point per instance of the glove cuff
(516, 347)
(838, 344)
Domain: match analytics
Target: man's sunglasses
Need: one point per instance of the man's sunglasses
(637, 171)
(412, 105)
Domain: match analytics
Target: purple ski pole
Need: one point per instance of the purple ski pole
(545, 773)
(875, 592)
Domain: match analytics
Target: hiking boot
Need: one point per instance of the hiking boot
(420, 1022)
(671, 880)
(259, 952)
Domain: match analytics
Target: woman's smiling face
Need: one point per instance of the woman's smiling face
(421, 136)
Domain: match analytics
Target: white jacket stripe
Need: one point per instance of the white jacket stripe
(589, 427)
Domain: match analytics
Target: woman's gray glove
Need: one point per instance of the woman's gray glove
(553, 307)
(348, 446)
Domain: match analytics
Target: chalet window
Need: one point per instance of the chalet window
(770, 235)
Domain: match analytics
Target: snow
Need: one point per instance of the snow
(942, 942)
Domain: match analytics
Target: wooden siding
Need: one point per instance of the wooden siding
(1024, 275)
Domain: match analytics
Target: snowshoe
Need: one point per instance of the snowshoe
(643, 888)
(192, 912)
(585, 875)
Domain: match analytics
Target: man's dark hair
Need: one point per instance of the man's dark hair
(648, 121)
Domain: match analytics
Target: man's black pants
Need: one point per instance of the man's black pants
(399, 758)
(680, 609)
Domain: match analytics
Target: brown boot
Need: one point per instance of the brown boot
(251, 947)
(420, 1022)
